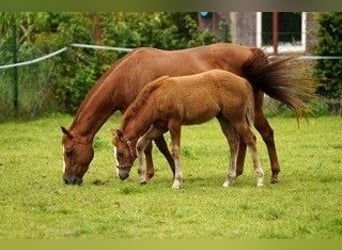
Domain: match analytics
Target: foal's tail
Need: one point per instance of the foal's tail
(285, 79)
(250, 106)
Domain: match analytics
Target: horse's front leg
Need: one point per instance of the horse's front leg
(162, 146)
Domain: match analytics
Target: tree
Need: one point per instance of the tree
(75, 71)
(329, 37)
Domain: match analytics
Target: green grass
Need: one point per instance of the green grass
(307, 202)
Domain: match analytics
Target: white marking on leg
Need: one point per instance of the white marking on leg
(64, 165)
(234, 144)
(231, 171)
(257, 167)
(141, 145)
(116, 162)
(177, 183)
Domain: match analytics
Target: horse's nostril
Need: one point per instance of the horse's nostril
(72, 180)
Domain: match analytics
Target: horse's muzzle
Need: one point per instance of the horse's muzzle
(72, 180)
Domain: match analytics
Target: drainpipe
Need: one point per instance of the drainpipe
(275, 32)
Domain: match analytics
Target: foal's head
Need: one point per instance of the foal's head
(77, 155)
(125, 153)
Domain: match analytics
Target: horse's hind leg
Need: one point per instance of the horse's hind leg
(162, 146)
(233, 141)
(266, 132)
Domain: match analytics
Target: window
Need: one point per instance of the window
(291, 31)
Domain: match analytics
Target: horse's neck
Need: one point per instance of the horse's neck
(96, 109)
(88, 123)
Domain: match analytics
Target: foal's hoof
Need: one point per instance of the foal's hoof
(149, 175)
(260, 185)
(176, 186)
(227, 184)
(143, 182)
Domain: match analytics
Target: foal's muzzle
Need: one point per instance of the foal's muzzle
(123, 174)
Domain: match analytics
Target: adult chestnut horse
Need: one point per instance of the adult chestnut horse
(120, 85)
(170, 102)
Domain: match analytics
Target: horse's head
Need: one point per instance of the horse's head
(125, 153)
(77, 154)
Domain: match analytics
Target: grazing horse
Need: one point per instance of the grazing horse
(120, 85)
(170, 102)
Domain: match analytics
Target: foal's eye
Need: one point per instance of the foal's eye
(68, 153)
(119, 154)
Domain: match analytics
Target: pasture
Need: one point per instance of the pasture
(306, 204)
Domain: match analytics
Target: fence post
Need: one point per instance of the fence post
(15, 69)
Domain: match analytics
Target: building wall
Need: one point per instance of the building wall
(242, 27)
(245, 28)
(311, 29)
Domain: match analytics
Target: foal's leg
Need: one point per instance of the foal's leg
(149, 161)
(143, 143)
(175, 131)
(233, 141)
(250, 139)
(267, 134)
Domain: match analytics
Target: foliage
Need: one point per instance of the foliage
(160, 30)
(35, 204)
(329, 37)
(75, 72)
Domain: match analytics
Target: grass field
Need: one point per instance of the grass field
(307, 203)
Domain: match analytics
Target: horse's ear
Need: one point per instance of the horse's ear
(66, 132)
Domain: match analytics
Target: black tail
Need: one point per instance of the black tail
(285, 79)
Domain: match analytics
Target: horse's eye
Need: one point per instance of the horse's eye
(119, 154)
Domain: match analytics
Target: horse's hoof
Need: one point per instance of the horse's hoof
(260, 185)
(143, 182)
(274, 180)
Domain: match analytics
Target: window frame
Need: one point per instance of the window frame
(281, 48)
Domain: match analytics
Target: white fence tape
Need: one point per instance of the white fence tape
(7, 66)
(127, 50)
(34, 60)
(100, 47)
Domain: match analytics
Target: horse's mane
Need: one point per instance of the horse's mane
(99, 82)
(141, 99)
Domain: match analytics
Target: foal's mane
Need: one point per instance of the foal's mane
(141, 99)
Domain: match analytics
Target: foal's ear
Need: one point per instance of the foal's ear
(117, 132)
(66, 132)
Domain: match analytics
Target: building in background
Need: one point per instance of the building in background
(292, 32)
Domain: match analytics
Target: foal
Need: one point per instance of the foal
(167, 103)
